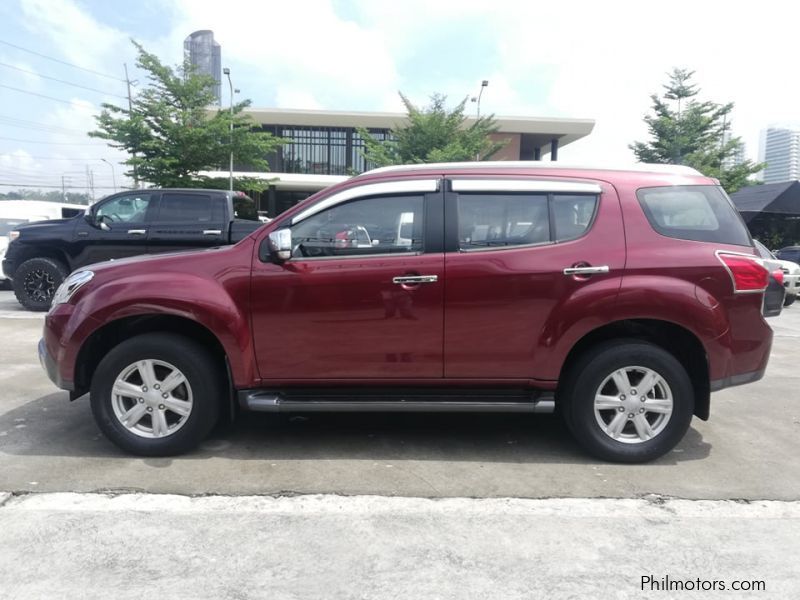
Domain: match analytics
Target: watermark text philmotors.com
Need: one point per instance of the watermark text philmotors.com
(651, 583)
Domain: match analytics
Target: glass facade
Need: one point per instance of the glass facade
(205, 54)
(321, 150)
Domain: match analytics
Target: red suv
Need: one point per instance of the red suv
(619, 298)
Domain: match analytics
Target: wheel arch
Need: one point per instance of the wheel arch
(37, 251)
(684, 345)
(113, 333)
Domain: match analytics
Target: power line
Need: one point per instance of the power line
(58, 187)
(77, 85)
(63, 62)
(44, 142)
(26, 124)
(36, 94)
(48, 157)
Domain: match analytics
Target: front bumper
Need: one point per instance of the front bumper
(51, 367)
(792, 284)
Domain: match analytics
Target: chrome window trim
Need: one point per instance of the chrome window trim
(383, 255)
(406, 186)
(525, 185)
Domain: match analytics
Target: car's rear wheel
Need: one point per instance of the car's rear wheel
(36, 281)
(789, 300)
(628, 401)
(157, 394)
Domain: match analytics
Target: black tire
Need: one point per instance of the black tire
(789, 300)
(36, 281)
(203, 374)
(591, 369)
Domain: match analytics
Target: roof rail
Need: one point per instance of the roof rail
(536, 164)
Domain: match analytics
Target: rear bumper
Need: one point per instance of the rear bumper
(733, 380)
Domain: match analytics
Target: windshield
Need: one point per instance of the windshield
(7, 225)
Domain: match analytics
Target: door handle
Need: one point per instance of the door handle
(137, 231)
(212, 231)
(586, 270)
(407, 279)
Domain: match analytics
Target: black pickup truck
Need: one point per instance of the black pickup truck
(40, 255)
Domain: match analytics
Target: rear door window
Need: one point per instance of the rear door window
(497, 220)
(191, 208)
(701, 213)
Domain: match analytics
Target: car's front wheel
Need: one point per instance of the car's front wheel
(157, 394)
(789, 300)
(628, 401)
(36, 281)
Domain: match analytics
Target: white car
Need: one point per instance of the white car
(14, 213)
(791, 273)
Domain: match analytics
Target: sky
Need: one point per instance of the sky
(563, 58)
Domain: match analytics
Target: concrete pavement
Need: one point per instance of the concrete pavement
(157, 546)
(747, 450)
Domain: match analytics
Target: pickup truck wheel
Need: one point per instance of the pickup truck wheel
(789, 300)
(36, 281)
(628, 401)
(156, 394)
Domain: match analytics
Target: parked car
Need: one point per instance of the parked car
(41, 255)
(621, 298)
(791, 272)
(14, 213)
(790, 253)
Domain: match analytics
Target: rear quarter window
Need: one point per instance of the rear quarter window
(701, 213)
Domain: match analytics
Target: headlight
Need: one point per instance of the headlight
(12, 235)
(71, 285)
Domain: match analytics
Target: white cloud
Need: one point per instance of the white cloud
(581, 59)
(301, 45)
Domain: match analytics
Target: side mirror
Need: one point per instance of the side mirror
(96, 221)
(279, 244)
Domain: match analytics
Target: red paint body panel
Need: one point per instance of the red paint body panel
(495, 317)
(506, 309)
(344, 318)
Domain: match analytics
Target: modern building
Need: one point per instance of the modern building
(324, 146)
(205, 54)
(735, 159)
(781, 152)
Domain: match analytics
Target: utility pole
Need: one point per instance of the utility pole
(90, 182)
(227, 72)
(130, 109)
(113, 174)
(63, 188)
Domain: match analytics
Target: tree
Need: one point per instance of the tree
(433, 134)
(51, 196)
(169, 133)
(685, 131)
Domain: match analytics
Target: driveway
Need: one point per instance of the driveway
(746, 451)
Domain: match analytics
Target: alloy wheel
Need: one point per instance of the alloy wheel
(152, 398)
(39, 285)
(633, 404)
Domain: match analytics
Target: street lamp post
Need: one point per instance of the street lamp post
(477, 98)
(227, 72)
(113, 174)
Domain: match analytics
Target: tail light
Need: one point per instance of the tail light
(747, 272)
(778, 275)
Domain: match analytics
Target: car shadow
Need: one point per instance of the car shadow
(53, 426)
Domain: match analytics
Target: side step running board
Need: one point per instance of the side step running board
(272, 401)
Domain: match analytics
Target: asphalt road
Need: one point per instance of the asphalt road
(748, 450)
